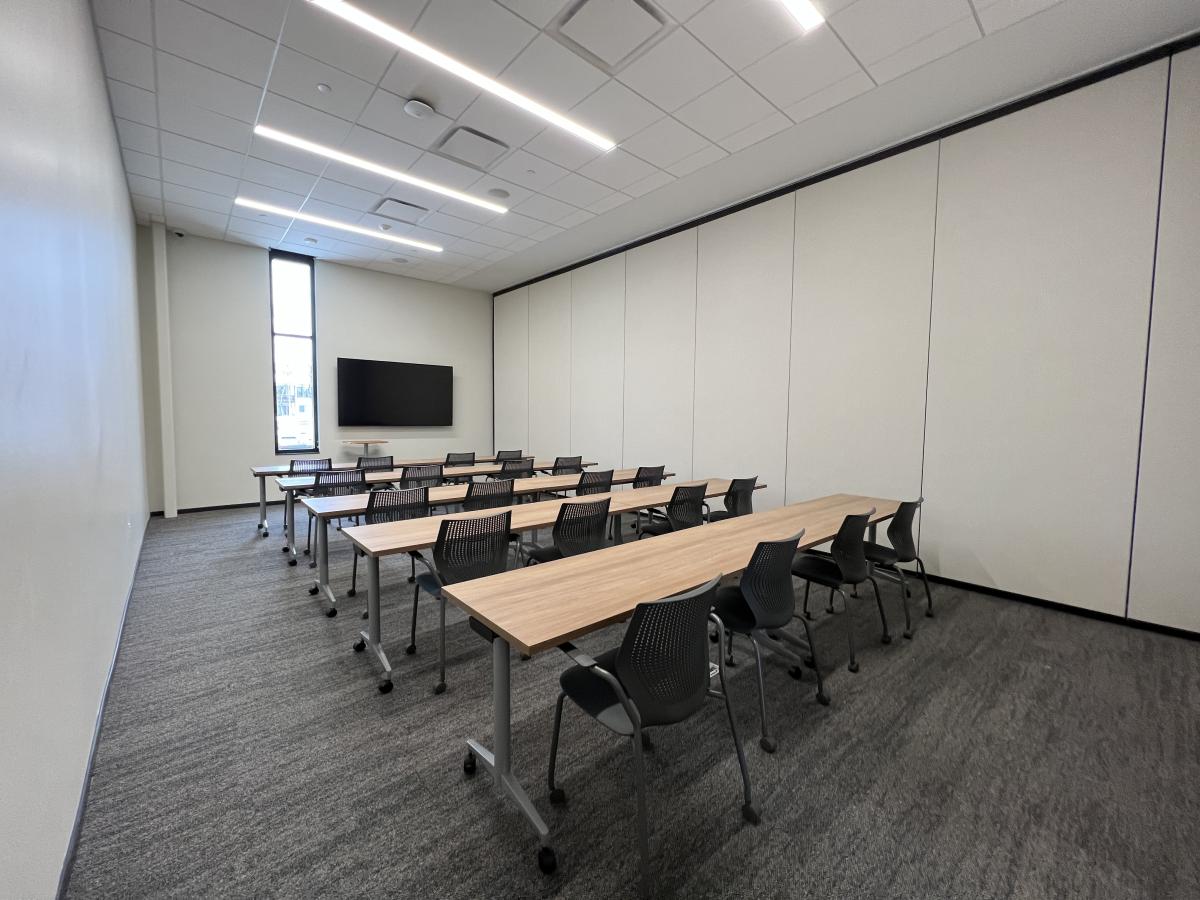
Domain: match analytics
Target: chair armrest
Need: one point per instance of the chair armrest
(577, 656)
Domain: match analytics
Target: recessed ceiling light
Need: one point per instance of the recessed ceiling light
(310, 240)
(499, 193)
(384, 226)
(324, 88)
(331, 223)
(805, 13)
(338, 156)
(407, 42)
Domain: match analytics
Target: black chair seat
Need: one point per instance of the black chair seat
(595, 696)
(544, 554)
(429, 583)
(818, 570)
(735, 613)
(720, 515)
(657, 527)
(878, 553)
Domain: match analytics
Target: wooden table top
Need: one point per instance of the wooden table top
(389, 538)
(367, 441)
(540, 607)
(281, 469)
(300, 482)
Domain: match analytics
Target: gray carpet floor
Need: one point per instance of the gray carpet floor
(1006, 751)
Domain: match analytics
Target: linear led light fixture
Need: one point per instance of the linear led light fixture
(805, 13)
(358, 162)
(333, 223)
(407, 42)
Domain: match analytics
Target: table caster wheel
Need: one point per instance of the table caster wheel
(908, 635)
(886, 639)
(291, 562)
(385, 687)
(929, 613)
(411, 580)
(440, 688)
(767, 744)
(469, 764)
(822, 698)
(266, 533)
(853, 667)
(313, 591)
(750, 814)
(284, 549)
(360, 645)
(351, 592)
(306, 551)
(331, 612)
(410, 649)
(558, 797)
(547, 861)
(796, 672)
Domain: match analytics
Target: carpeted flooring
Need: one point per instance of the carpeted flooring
(1007, 751)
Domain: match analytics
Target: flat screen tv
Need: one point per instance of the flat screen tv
(374, 392)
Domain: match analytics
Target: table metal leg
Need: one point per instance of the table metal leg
(321, 585)
(290, 511)
(373, 637)
(262, 507)
(618, 538)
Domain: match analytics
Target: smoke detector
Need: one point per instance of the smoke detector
(418, 109)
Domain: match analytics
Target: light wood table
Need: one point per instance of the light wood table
(543, 606)
(366, 443)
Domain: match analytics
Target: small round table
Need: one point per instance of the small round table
(366, 444)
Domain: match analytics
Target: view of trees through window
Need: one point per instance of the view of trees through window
(294, 353)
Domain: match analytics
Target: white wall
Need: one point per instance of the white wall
(550, 367)
(598, 361)
(221, 361)
(512, 370)
(70, 401)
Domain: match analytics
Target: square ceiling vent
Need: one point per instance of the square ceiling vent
(471, 147)
(401, 210)
(610, 33)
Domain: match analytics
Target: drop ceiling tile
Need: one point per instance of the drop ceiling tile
(250, 240)
(697, 161)
(143, 164)
(674, 71)
(385, 114)
(288, 115)
(133, 136)
(517, 224)
(274, 196)
(410, 76)
(611, 202)
(998, 14)
(203, 38)
(180, 80)
(528, 170)
(939, 44)
(875, 29)
(546, 232)
(664, 143)
(617, 169)
(516, 193)
(147, 187)
(407, 193)
(333, 211)
(203, 156)
(484, 35)
(379, 148)
(133, 103)
(497, 255)
(262, 16)
(272, 175)
(444, 171)
(562, 148)
(547, 209)
(296, 76)
(146, 206)
(448, 225)
(741, 33)
(502, 121)
(475, 214)
(196, 221)
(522, 243)
(682, 10)
(358, 178)
(330, 191)
(255, 227)
(200, 179)
(577, 190)
(470, 248)
(726, 109)
(283, 155)
(126, 60)
(552, 74)
(610, 30)
(834, 95)
(759, 131)
(493, 237)
(128, 17)
(616, 112)
(177, 193)
(650, 183)
(536, 12)
(808, 64)
(204, 125)
(324, 36)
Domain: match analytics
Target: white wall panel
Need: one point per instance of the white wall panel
(598, 360)
(550, 367)
(743, 314)
(1045, 237)
(1162, 583)
(660, 353)
(511, 361)
(860, 329)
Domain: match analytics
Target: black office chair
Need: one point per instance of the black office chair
(333, 483)
(515, 468)
(466, 548)
(308, 466)
(502, 455)
(903, 550)
(374, 463)
(759, 606)
(392, 506)
(739, 500)
(429, 476)
(488, 495)
(647, 476)
(685, 509)
(660, 675)
(455, 460)
(567, 465)
(847, 566)
(578, 529)
(595, 483)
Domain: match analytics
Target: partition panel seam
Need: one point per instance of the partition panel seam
(787, 416)
(695, 347)
(937, 185)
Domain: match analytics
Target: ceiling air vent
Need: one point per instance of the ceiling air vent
(401, 210)
(471, 147)
(610, 33)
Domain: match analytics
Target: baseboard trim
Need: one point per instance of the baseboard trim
(192, 509)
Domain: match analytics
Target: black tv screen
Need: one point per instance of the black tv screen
(373, 392)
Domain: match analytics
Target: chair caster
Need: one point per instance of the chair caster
(352, 592)
(313, 564)
(929, 613)
(810, 662)
(266, 533)
(822, 698)
(365, 615)
(547, 861)
(886, 639)
(291, 562)
(313, 591)
(808, 616)
(440, 688)
(284, 549)
(647, 744)
(307, 551)
(558, 797)
(853, 667)
(469, 764)
(525, 657)
(713, 637)
(331, 612)
(796, 672)
(767, 745)
(360, 645)
(411, 580)
(410, 649)
(730, 662)
(750, 814)
(385, 687)
(908, 635)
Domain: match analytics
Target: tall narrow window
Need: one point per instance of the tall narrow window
(293, 353)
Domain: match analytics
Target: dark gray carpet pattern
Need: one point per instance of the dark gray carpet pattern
(1008, 751)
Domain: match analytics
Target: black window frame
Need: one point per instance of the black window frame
(273, 255)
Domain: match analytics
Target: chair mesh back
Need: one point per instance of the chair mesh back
(900, 531)
(648, 476)
(473, 547)
(685, 509)
(847, 547)
(460, 459)
(567, 465)
(767, 582)
(488, 495)
(739, 499)
(375, 463)
(502, 455)
(338, 482)
(306, 466)
(580, 527)
(594, 483)
(517, 468)
(421, 476)
(663, 660)
(396, 506)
